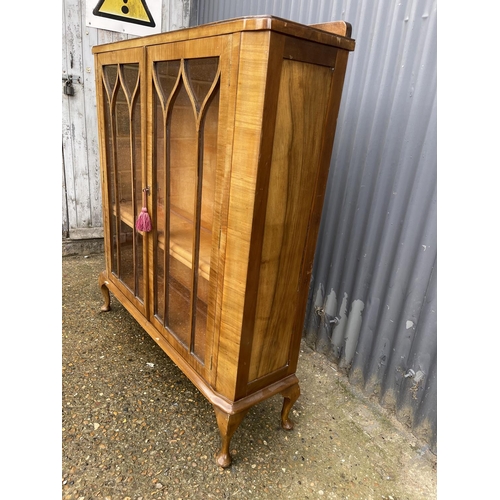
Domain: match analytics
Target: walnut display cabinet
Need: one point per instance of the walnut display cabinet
(224, 133)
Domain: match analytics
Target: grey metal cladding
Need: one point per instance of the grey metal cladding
(372, 303)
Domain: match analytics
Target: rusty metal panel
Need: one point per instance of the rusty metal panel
(372, 306)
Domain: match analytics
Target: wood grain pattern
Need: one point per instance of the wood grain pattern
(253, 60)
(229, 82)
(277, 43)
(301, 113)
(338, 27)
(235, 197)
(239, 25)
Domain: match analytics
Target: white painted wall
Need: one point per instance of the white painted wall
(81, 185)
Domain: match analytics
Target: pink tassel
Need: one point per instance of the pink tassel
(143, 222)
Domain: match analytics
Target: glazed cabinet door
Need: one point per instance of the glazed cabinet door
(122, 125)
(188, 86)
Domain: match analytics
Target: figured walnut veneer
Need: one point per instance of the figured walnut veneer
(229, 127)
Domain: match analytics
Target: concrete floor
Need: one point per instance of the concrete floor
(134, 427)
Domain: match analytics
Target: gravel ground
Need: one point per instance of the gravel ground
(134, 427)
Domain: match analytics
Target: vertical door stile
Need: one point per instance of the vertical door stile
(145, 174)
(228, 76)
(148, 175)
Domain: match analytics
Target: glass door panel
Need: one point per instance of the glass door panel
(186, 101)
(122, 110)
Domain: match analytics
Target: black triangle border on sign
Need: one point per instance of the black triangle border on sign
(149, 23)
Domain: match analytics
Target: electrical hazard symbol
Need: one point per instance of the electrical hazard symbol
(131, 11)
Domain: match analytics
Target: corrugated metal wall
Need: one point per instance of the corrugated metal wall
(372, 306)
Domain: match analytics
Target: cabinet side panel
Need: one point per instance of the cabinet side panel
(302, 107)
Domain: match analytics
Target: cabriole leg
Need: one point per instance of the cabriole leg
(105, 292)
(291, 395)
(227, 427)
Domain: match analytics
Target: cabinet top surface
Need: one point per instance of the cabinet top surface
(335, 33)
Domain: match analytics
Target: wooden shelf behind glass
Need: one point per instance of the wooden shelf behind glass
(181, 235)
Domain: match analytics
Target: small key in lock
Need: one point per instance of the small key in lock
(68, 88)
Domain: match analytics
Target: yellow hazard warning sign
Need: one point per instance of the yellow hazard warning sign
(131, 11)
